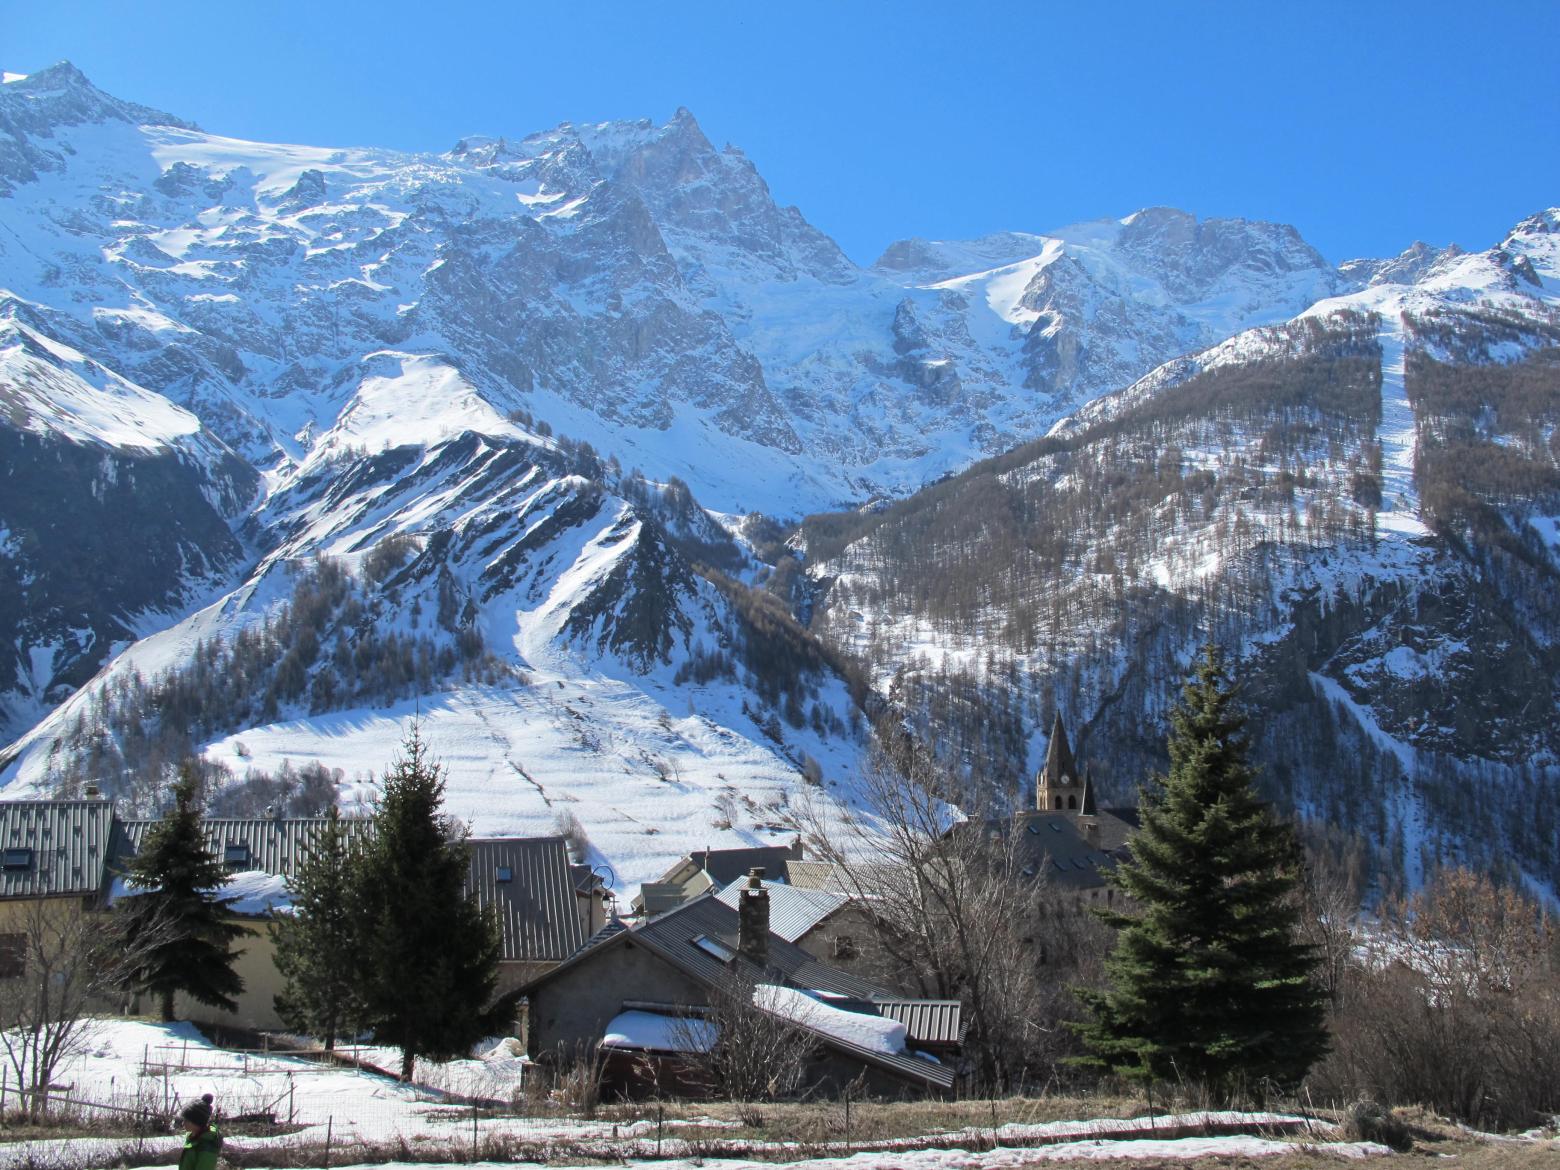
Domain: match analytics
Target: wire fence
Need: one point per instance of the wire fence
(293, 1109)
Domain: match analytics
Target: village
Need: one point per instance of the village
(769, 1003)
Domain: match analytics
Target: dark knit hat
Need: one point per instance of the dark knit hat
(198, 1112)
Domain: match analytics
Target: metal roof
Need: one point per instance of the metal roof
(527, 881)
(792, 912)
(862, 878)
(276, 845)
(675, 936)
(54, 847)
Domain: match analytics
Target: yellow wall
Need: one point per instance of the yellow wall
(256, 966)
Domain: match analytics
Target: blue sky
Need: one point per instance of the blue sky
(1365, 124)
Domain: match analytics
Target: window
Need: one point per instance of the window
(506, 873)
(16, 860)
(714, 948)
(235, 855)
(13, 956)
(844, 947)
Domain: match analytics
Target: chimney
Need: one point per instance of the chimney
(753, 919)
(91, 791)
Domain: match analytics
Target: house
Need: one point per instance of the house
(530, 885)
(260, 855)
(54, 854)
(712, 869)
(628, 997)
(542, 906)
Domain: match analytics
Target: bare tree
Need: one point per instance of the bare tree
(738, 1051)
(1453, 1002)
(949, 903)
(60, 961)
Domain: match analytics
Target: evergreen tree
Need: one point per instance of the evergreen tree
(181, 921)
(1208, 983)
(427, 954)
(316, 943)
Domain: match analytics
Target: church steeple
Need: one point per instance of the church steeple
(1058, 785)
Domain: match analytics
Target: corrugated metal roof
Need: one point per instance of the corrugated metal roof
(277, 845)
(792, 912)
(863, 878)
(527, 881)
(55, 847)
(932, 1021)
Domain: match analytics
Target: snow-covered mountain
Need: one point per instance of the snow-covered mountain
(630, 283)
(1362, 504)
(301, 441)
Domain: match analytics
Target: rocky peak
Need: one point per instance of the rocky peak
(1190, 256)
(61, 95)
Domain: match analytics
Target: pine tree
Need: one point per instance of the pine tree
(180, 920)
(1208, 983)
(428, 955)
(316, 943)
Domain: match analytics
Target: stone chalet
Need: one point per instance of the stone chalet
(621, 1000)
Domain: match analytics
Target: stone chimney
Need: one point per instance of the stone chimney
(91, 791)
(753, 919)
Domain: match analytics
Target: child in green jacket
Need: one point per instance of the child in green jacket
(202, 1143)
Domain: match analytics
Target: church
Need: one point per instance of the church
(1067, 839)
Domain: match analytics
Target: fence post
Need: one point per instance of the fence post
(847, 1119)
(660, 1126)
(329, 1123)
(473, 1129)
(289, 1098)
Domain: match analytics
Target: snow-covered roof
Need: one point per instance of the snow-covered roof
(862, 1029)
(655, 1032)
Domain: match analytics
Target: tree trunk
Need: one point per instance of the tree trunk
(167, 1005)
(408, 1059)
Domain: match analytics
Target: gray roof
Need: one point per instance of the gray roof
(861, 878)
(278, 845)
(56, 847)
(673, 936)
(792, 912)
(536, 906)
(726, 865)
(1051, 846)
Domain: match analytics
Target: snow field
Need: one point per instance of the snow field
(162, 1066)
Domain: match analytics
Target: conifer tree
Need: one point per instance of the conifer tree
(316, 943)
(180, 919)
(1208, 982)
(427, 954)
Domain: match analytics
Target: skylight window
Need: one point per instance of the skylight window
(506, 873)
(715, 948)
(235, 855)
(16, 860)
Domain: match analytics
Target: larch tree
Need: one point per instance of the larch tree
(177, 919)
(427, 954)
(316, 940)
(1208, 981)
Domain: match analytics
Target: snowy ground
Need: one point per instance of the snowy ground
(159, 1067)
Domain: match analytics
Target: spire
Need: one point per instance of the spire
(1059, 760)
(1086, 805)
